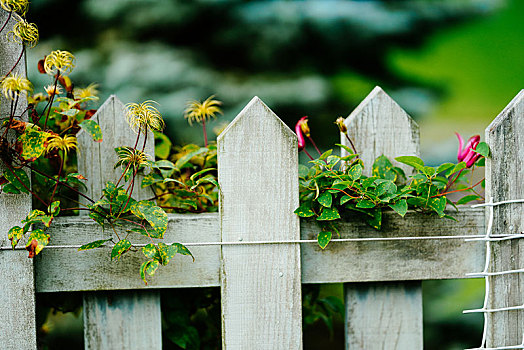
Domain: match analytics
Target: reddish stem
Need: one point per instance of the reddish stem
(464, 189)
(7, 21)
(16, 63)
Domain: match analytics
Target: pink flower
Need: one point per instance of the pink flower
(300, 127)
(466, 154)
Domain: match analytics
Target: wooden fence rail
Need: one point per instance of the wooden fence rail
(261, 283)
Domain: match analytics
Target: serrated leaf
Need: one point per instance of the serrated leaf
(328, 214)
(400, 207)
(323, 238)
(120, 248)
(15, 234)
(325, 199)
(412, 161)
(93, 129)
(33, 144)
(93, 245)
(304, 211)
(18, 178)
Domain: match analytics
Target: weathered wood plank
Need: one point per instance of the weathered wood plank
(17, 292)
(96, 162)
(379, 126)
(364, 303)
(258, 175)
(118, 315)
(504, 181)
(65, 269)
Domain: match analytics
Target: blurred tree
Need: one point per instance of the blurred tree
(301, 57)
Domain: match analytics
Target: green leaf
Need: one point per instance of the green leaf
(365, 204)
(143, 268)
(438, 204)
(162, 145)
(54, 208)
(151, 251)
(457, 168)
(482, 149)
(41, 238)
(355, 172)
(467, 199)
(375, 219)
(156, 216)
(401, 207)
(182, 162)
(444, 167)
(18, 178)
(328, 214)
(325, 154)
(182, 249)
(165, 167)
(167, 252)
(344, 199)
(383, 169)
(93, 245)
(197, 174)
(10, 188)
(429, 171)
(150, 179)
(412, 161)
(33, 144)
(303, 171)
(323, 238)
(93, 129)
(325, 199)
(15, 234)
(120, 248)
(152, 267)
(304, 211)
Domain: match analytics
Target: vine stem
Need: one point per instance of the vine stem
(51, 99)
(461, 190)
(7, 21)
(27, 188)
(62, 161)
(136, 223)
(351, 143)
(314, 145)
(60, 182)
(204, 129)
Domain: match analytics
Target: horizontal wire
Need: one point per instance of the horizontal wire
(292, 241)
(521, 346)
(509, 308)
(484, 274)
(494, 204)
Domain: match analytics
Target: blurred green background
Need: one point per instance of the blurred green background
(452, 65)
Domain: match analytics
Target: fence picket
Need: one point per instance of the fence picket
(379, 126)
(109, 317)
(504, 181)
(18, 290)
(261, 285)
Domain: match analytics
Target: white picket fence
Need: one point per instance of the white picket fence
(251, 249)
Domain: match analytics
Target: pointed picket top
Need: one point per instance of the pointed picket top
(256, 113)
(379, 126)
(260, 285)
(96, 160)
(504, 179)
